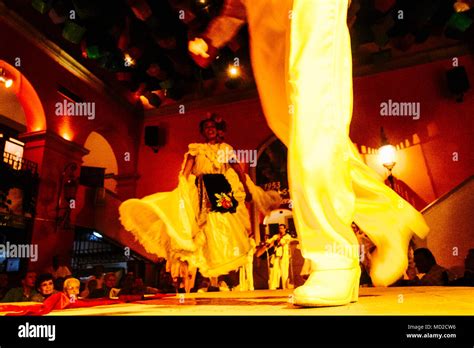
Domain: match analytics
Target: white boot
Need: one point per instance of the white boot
(335, 282)
(389, 261)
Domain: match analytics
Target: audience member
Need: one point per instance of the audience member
(25, 292)
(468, 278)
(108, 288)
(134, 286)
(429, 272)
(3, 285)
(59, 268)
(59, 283)
(45, 287)
(366, 248)
(166, 283)
(97, 275)
(71, 288)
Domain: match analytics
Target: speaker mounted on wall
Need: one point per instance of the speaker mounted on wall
(155, 137)
(458, 82)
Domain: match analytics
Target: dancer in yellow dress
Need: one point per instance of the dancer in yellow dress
(204, 222)
(301, 58)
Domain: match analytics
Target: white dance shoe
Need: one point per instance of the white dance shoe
(329, 287)
(389, 261)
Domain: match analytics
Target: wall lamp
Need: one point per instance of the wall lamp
(387, 156)
(4, 79)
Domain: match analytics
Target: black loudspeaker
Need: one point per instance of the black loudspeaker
(458, 82)
(92, 176)
(155, 137)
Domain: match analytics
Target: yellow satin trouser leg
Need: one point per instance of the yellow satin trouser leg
(329, 183)
(320, 82)
(306, 62)
(320, 91)
(387, 219)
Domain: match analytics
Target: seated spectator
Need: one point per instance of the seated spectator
(366, 248)
(108, 289)
(98, 276)
(91, 287)
(3, 285)
(139, 284)
(44, 286)
(25, 292)
(59, 268)
(432, 274)
(468, 278)
(134, 286)
(59, 283)
(71, 288)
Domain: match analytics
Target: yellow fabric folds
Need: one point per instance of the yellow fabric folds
(170, 225)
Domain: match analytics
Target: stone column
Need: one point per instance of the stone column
(53, 154)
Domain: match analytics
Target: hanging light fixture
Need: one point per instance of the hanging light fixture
(233, 71)
(3, 78)
(387, 156)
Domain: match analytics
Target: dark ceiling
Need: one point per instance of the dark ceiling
(154, 35)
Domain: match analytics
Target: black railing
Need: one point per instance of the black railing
(20, 163)
(18, 173)
(91, 248)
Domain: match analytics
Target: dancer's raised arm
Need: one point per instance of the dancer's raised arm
(188, 166)
(219, 31)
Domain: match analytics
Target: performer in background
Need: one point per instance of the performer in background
(246, 271)
(301, 59)
(280, 259)
(204, 223)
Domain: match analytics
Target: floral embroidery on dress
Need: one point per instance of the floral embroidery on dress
(224, 201)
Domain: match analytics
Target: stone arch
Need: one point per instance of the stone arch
(101, 155)
(254, 174)
(28, 98)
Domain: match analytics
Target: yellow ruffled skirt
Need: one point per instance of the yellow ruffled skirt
(169, 225)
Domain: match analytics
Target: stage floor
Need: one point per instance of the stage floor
(372, 301)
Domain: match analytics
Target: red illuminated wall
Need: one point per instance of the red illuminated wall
(119, 126)
(444, 127)
(246, 129)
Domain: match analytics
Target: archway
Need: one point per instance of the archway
(101, 155)
(271, 174)
(12, 114)
(28, 98)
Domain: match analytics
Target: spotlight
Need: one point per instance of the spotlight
(234, 79)
(97, 234)
(128, 60)
(151, 99)
(233, 71)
